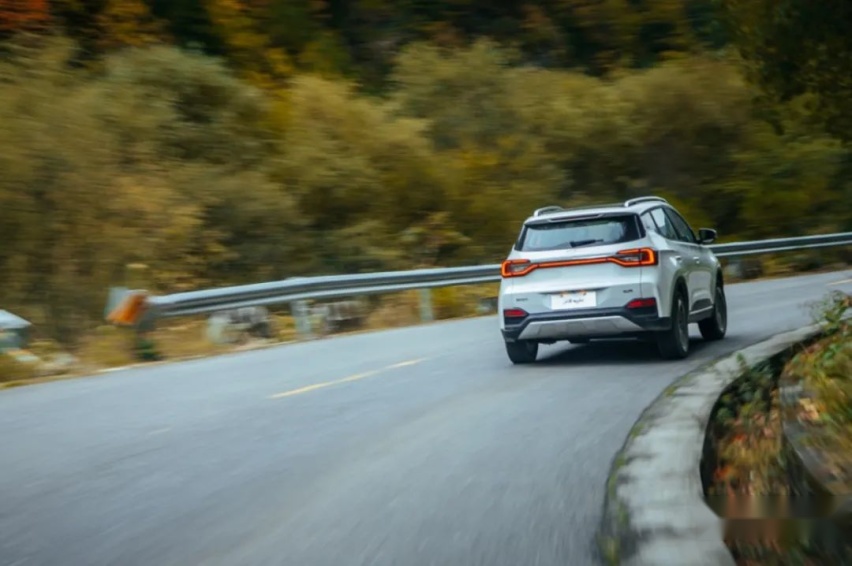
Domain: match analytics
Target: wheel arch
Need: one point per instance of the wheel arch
(680, 286)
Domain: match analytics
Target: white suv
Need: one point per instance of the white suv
(634, 269)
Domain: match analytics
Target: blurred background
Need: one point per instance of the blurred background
(181, 144)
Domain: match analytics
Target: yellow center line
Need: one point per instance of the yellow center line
(841, 282)
(355, 377)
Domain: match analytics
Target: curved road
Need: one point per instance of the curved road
(409, 447)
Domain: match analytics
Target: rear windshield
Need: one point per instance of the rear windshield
(576, 233)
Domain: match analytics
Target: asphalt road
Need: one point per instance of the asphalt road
(410, 447)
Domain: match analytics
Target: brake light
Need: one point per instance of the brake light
(514, 313)
(642, 303)
(635, 258)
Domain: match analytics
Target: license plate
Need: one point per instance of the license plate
(573, 300)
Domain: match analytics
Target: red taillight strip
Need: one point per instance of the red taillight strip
(644, 257)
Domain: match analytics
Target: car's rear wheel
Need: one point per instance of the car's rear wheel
(522, 351)
(715, 327)
(674, 342)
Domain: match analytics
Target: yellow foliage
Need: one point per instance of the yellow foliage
(128, 23)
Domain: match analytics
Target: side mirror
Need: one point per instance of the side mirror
(706, 236)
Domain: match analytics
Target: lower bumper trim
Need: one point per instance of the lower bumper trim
(577, 327)
(612, 323)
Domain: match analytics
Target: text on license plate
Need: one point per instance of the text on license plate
(573, 300)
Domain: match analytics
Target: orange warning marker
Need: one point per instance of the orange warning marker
(129, 309)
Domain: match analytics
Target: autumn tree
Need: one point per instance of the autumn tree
(215, 137)
(127, 23)
(362, 176)
(147, 161)
(72, 218)
(23, 16)
(497, 171)
(799, 48)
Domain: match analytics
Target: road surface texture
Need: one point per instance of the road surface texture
(409, 447)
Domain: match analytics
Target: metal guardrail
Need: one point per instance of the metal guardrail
(741, 249)
(336, 286)
(322, 287)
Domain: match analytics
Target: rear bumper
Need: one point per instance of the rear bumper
(587, 323)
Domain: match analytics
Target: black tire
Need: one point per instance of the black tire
(674, 342)
(715, 327)
(522, 352)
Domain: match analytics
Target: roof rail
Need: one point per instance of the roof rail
(638, 200)
(547, 209)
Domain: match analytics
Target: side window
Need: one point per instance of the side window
(649, 224)
(664, 226)
(684, 231)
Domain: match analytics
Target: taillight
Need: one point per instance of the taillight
(642, 303)
(514, 313)
(635, 258)
(626, 258)
(516, 267)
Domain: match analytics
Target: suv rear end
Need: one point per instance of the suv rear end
(578, 275)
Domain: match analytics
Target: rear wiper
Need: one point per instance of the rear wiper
(580, 243)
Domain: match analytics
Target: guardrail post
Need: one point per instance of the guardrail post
(426, 314)
(734, 270)
(302, 317)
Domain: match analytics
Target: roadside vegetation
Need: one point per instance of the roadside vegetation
(172, 145)
(825, 371)
(749, 479)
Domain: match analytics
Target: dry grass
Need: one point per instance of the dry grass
(11, 370)
(177, 339)
(106, 347)
(403, 309)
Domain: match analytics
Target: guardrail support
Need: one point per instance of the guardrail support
(426, 313)
(302, 316)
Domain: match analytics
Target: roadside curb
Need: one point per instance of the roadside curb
(654, 510)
